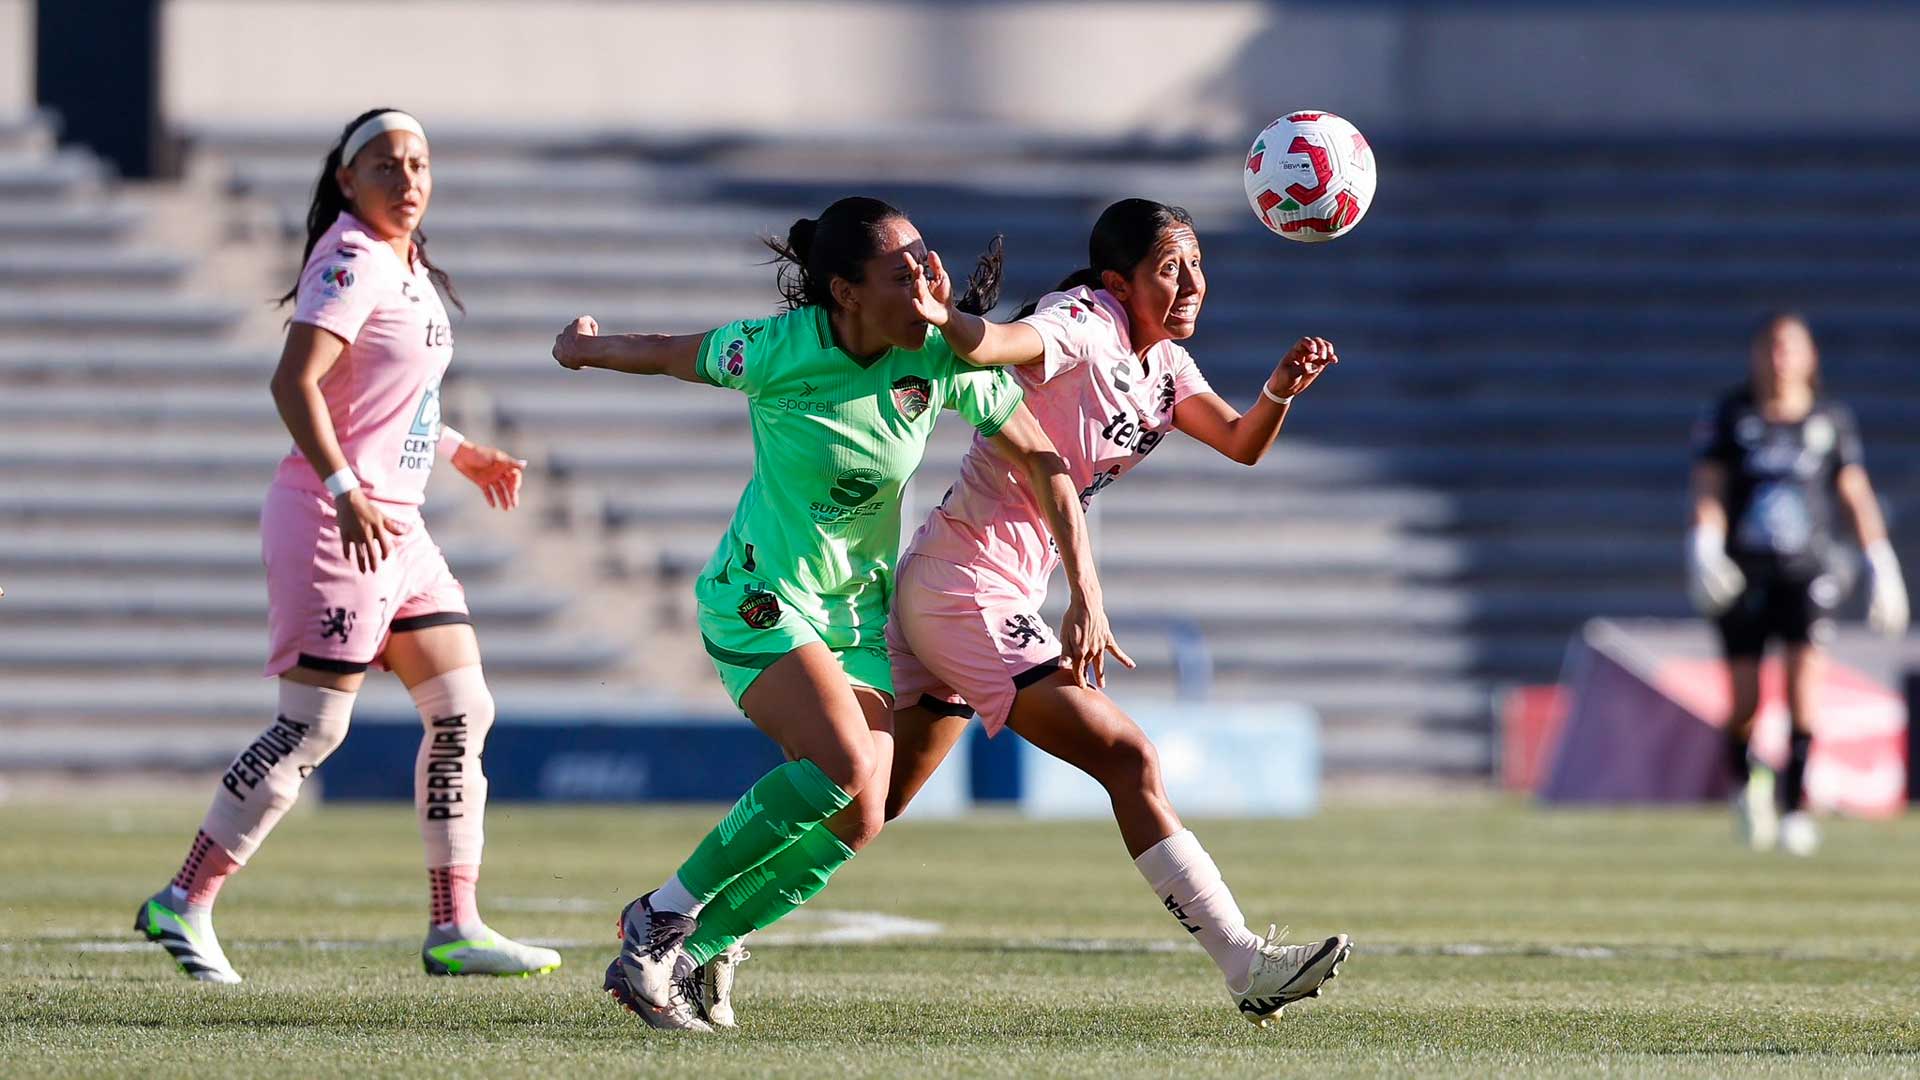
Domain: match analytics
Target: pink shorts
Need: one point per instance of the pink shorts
(322, 612)
(965, 639)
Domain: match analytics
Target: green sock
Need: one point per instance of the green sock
(765, 894)
(775, 811)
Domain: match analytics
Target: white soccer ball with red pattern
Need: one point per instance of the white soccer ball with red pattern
(1310, 176)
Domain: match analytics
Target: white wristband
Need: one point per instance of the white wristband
(1881, 558)
(342, 482)
(450, 441)
(1273, 397)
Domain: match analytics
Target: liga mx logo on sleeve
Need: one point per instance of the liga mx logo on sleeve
(335, 279)
(734, 359)
(911, 395)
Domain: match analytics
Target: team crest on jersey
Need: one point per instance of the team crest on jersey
(1819, 434)
(734, 358)
(760, 609)
(911, 395)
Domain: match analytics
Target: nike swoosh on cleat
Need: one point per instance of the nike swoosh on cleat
(1329, 946)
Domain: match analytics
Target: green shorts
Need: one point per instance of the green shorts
(746, 626)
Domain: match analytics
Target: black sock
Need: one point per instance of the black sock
(1737, 764)
(1793, 781)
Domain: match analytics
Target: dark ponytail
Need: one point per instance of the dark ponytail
(838, 243)
(329, 202)
(1124, 234)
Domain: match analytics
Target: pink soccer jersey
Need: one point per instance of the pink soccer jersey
(384, 392)
(1104, 409)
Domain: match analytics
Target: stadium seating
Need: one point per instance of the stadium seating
(1501, 453)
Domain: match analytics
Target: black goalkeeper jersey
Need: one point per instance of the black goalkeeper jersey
(1782, 481)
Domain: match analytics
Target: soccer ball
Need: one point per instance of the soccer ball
(1310, 176)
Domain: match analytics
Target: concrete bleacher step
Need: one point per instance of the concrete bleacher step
(27, 131)
(83, 314)
(51, 549)
(30, 176)
(50, 601)
(32, 268)
(1323, 652)
(240, 651)
(1281, 559)
(1229, 608)
(1549, 508)
(61, 500)
(247, 409)
(78, 223)
(37, 710)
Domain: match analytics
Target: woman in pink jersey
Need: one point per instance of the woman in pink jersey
(1100, 362)
(353, 578)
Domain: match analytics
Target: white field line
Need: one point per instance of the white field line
(803, 927)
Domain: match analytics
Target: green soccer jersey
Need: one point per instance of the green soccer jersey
(835, 440)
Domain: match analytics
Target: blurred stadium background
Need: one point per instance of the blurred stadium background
(1584, 206)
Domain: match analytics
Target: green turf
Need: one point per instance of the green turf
(1492, 939)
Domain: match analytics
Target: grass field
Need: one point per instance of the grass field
(1491, 938)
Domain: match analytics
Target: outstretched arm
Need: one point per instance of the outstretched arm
(1247, 437)
(581, 345)
(972, 338)
(1085, 636)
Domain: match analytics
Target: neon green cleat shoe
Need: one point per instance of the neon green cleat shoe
(483, 952)
(187, 937)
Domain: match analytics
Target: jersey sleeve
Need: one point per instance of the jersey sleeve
(341, 285)
(1713, 435)
(1847, 449)
(1068, 327)
(1187, 379)
(985, 397)
(734, 355)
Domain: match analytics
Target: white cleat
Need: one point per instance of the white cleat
(1284, 974)
(1759, 819)
(187, 938)
(716, 984)
(681, 1010)
(1799, 835)
(483, 952)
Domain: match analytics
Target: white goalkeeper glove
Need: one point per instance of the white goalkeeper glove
(1714, 581)
(1887, 593)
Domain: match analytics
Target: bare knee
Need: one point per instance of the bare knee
(1130, 767)
(861, 822)
(849, 765)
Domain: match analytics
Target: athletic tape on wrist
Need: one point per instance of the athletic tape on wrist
(342, 482)
(450, 441)
(1273, 397)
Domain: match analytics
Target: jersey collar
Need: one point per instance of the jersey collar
(823, 330)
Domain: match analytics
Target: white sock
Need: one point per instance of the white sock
(261, 785)
(449, 788)
(1185, 880)
(674, 896)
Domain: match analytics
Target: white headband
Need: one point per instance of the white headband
(376, 125)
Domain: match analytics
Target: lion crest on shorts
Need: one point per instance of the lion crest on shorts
(911, 395)
(760, 609)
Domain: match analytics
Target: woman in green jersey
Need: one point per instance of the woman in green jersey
(843, 389)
